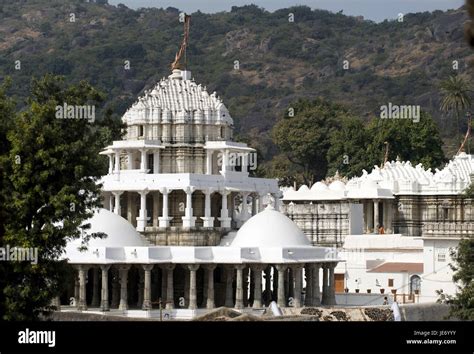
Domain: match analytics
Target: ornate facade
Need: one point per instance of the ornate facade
(399, 198)
(178, 176)
(186, 224)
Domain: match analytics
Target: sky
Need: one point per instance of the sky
(375, 10)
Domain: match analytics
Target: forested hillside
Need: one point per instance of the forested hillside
(278, 60)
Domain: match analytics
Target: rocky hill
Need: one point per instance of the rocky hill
(258, 61)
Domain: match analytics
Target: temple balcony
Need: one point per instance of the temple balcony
(134, 180)
(447, 229)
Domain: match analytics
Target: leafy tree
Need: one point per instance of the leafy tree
(7, 108)
(469, 191)
(284, 170)
(462, 304)
(418, 142)
(303, 135)
(456, 96)
(49, 188)
(348, 151)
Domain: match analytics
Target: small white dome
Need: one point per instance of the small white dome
(319, 187)
(120, 233)
(337, 186)
(303, 188)
(270, 228)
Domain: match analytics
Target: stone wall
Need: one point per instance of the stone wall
(413, 211)
(424, 312)
(325, 224)
(178, 236)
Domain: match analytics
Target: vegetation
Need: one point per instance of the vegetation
(324, 138)
(303, 135)
(49, 171)
(418, 142)
(347, 153)
(462, 304)
(469, 191)
(279, 61)
(456, 92)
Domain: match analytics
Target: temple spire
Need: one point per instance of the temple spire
(176, 64)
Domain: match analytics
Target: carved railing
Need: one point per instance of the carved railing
(448, 229)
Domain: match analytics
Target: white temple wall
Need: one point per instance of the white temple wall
(359, 262)
(437, 273)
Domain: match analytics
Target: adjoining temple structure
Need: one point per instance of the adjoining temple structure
(406, 218)
(398, 198)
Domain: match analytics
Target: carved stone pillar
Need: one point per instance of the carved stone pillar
(123, 271)
(297, 272)
(104, 301)
(281, 300)
(210, 286)
(239, 291)
(257, 281)
(192, 286)
(82, 304)
(147, 287)
(169, 287)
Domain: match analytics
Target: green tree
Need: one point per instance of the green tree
(462, 304)
(456, 92)
(284, 170)
(469, 191)
(7, 108)
(303, 135)
(49, 188)
(418, 142)
(348, 151)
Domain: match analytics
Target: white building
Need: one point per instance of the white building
(415, 206)
(178, 192)
(177, 175)
(386, 265)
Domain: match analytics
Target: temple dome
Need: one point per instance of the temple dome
(177, 93)
(337, 186)
(120, 233)
(270, 228)
(319, 187)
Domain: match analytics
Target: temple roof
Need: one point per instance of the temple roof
(177, 98)
(395, 178)
(270, 228)
(281, 243)
(120, 233)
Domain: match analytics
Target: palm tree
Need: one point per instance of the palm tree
(456, 96)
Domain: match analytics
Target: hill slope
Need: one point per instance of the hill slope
(278, 60)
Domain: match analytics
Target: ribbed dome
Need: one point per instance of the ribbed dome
(270, 228)
(175, 95)
(120, 233)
